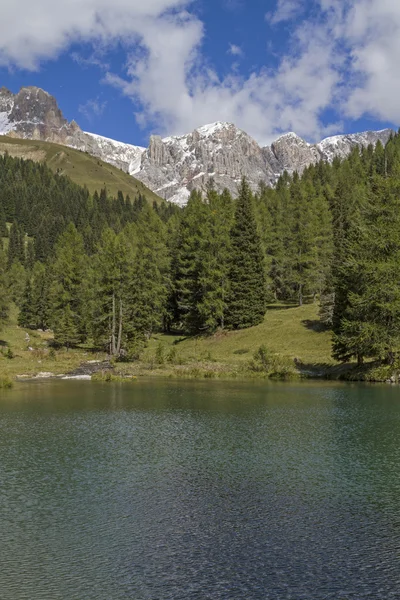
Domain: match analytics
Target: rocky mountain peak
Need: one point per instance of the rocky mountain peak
(174, 166)
(33, 113)
(293, 153)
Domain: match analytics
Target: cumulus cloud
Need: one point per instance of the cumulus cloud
(33, 31)
(372, 30)
(346, 57)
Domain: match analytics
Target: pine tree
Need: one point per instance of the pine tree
(30, 255)
(147, 280)
(16, 249)
(3, 224)
(40, 296)
(16, 277)
(370, 324)
(66, 290)
(110, 270)
(26, 317)
(4, 296)
(247, 298)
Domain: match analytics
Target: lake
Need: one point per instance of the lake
(176, 490)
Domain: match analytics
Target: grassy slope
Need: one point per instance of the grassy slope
(79, 166)
(292, 332)
(28, 362)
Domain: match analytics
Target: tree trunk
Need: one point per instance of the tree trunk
(119, 342)
(113, 327)
(390, 358)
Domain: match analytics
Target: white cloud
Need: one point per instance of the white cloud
(372, 31)
(32, 31)
(235, 50)
(93, 108)
(346, 57)
(286, 10)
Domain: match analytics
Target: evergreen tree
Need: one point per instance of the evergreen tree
(147, 280)
(16, 249)
(16, 277)
(110, 269)
(4, 296)
(370, 324)
(3, 224)
(26, 317)
(247, 298)
(40, 296)
(66, 290)
(30, 255)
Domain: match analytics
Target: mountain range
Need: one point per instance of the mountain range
(173, 166)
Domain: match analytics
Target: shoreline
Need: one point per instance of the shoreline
(105, 371)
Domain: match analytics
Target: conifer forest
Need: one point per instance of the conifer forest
(113, 271)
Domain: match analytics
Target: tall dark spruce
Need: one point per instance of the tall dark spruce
(246, 304)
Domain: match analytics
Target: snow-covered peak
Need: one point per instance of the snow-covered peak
(341, 145)
(206, 131)
(290, 136)
(105, 140)
(213, 128)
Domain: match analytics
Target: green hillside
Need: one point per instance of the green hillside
(287, 331)
(81, 167)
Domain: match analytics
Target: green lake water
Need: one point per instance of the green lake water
(165, 490)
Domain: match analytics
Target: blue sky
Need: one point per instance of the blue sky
(128, 68)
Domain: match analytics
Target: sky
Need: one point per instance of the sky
(127, 69)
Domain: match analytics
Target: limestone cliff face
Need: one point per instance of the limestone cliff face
(33, 114)
(174, 166)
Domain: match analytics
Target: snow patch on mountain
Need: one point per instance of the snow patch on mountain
(5, 125)
(174, 166)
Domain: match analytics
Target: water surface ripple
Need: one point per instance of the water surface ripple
(199, 490)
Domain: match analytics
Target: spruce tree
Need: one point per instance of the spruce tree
(16, 277)
(4, 295)
(147, 280)
(3, 224)
(40, 295)
(26, 317)
(66, 298)
(16, 249)
(370, 324)
(109, 277)
(247, 297)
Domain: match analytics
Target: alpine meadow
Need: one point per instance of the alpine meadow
(126, 277)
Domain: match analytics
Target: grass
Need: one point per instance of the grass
(290, 331)
(81, 167)
(287, 333)
(41, 358)
(289, 343)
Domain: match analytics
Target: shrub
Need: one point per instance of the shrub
(272, 365)
(9, 354)
(5, 383)
(160, 354)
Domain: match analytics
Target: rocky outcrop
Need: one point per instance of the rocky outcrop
(174, 166)
(33, 114)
